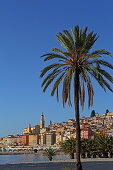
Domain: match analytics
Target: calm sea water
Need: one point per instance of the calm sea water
(29, 158)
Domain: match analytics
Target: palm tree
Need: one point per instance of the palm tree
(85, 147)
(105, 145)
(49, 152)
(93, 148)
(68, 146)
(110, 146)
(76, 63)
(88, 147)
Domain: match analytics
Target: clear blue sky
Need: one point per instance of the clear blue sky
(27, 30)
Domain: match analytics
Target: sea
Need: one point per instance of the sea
(21, 158)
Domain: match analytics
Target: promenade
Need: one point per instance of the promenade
(88, 164)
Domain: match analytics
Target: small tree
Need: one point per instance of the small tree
(49, 152)
(68, 146)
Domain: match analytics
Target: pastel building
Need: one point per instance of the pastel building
(10, 140)
(34, 140)
(50, 139)
(59, 138)
(42, 139)
(4, 141)
(31, 130)
(86, 133)
(18, 140)
(25, 140)
(1, 142)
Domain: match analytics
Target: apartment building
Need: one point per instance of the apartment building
(25, 140)
(33, 140)
(18, 140)
(50, 139)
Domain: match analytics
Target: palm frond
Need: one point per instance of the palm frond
(55, 56)
(99, 52)
(46, 69)
(102, 62)
(64, 53)
(66, 87)
(82, 94)
(106, 75)
(89, 86)
(64, 42)
(98, 75)
(70, 38)
(57, 82)
(49, 76)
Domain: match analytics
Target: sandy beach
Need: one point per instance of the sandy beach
(88, 164)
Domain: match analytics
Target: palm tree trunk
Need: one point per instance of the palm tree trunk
(71, 155)
(76, 103)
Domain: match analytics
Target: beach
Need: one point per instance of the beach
(88, 164)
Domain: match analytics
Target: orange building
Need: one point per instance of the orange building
(86, 132)
(25, 140)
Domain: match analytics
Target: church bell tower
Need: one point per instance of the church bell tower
(42, 122)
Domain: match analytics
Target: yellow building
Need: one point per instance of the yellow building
(33, 140)
(59, 138)
(109, 114)
(1, 142)
(31, 130)
(10, 140)
(44, 130)
(4, 141)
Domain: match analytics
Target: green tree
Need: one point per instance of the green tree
(76, 64)
(68, 146)
(85, 147)
(105, 145)
(88, 147)
(49, 152)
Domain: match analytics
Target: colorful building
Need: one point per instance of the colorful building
(25, 140)
(31, 130)
(50, 139)
(34, 140)
(18, 140)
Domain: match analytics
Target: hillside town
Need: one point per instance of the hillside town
(56, 133)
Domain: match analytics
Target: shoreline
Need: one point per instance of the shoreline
(16, 153)
(19, 153)
(62, 161)
(87, 164)
(26, 152)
